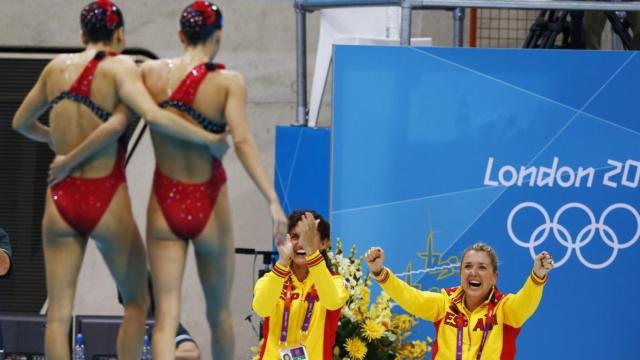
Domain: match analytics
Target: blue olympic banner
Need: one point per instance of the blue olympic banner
(435, 149)
(302, 168)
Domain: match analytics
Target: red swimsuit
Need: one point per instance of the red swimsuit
(187, 207)
(83, 201)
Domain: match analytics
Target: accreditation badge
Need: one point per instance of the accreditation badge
(294, 353)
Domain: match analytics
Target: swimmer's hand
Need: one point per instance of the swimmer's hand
(279, 220)
(59, 169)
(219, 145)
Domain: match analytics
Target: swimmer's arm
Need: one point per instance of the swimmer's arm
(25, 120)
(245, 146)
(105, 134)
(243, 141)
(133, 92)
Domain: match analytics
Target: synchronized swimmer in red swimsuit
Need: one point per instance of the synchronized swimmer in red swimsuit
(87, 118)
(82, 201)
(187, 207)
(190, 199)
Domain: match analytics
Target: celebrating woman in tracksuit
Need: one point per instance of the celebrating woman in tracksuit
(473, 321)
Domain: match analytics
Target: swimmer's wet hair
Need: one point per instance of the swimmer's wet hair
(199, 21)
(99, 20)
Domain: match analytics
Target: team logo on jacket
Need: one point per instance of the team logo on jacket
(456, 319)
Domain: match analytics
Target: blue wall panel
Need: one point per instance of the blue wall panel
(302, 168)
(428, 145)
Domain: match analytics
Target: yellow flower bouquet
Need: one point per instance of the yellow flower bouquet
(371, 331)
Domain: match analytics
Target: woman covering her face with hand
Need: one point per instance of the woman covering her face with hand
(300, 300)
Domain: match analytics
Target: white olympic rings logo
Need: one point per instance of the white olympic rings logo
(562, 235)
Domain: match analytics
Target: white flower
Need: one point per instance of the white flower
(348, 314)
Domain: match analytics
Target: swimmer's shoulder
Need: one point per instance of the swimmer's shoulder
(61, 61)
(156, 67)
(231, 78)
(122, 60)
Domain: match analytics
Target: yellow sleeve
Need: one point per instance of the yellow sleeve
(333, 294)
(520, 306)
(424, 304)
(266, 293)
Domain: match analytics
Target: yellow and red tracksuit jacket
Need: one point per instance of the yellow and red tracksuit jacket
(269, 299)
(447, 306)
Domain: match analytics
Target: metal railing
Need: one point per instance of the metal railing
(407, 6)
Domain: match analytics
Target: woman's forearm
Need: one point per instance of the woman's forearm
(104, 135)
(35, 131)
(424, 304)
(250, 158)
(330, 288)
(25, 121)
(173, 125)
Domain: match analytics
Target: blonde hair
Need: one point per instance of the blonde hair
(484, 248)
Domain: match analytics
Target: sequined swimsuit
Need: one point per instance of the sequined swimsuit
(83, 201)
(186, 206)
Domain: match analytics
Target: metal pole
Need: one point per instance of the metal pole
(458, 27)
(528, 4)
(310, 5)
(405, 24)
(616, 44)
(301, 64)
(473, 28)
